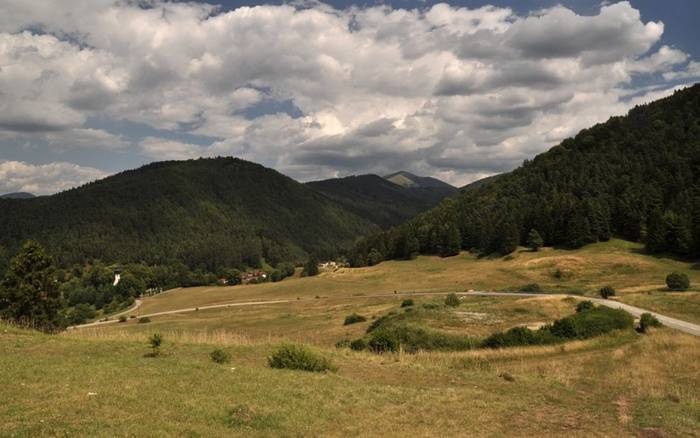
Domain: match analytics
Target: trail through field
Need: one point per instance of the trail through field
(684, 326)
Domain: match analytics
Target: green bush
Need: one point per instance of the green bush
(220, 356)
(382, 320)
(585, 324)
(519, 336)
(383, 342)
(122, 318)
(607, 292)
(677, 281)
(531, 288)
(413, 339)
(647, 320)
(452, 300)
(354, 319)
(144, 320)
(296, 357)
(407, 303)
(155, 341)
(358, 344)
(583, 306)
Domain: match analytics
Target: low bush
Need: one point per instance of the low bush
(607, 292)
(519, 336)
(583, 306)
(122, 318)
(584, 324)
(144, 320)
(220, 356)
(430, 306)
(531, 288)
(646, 321)
(407, 303)
(412, 339)
(354, 319)
(155, 341)
(452, 300)
(358, 344)
(382, 320)
(677, 281)
(296, 357)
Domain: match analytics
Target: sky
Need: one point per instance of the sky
(458, 91)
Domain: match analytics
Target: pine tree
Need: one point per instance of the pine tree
(656, 232)
(30, 293)
(579, 232)
(534, 240)
(451, 241)
(509, 237)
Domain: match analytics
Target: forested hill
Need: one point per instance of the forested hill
(380, 200)
(637, 177)
(207, 213)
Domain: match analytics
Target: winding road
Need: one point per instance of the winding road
(684, 326)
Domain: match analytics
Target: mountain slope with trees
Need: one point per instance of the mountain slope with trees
(208, 214)
(635, 176)
(380, 200)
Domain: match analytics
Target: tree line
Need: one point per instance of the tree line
(636, 177)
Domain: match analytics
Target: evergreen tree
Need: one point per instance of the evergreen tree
(534, 240)
(656, 232)
(30, 293)
(374, 257)
(579, 232)
(452, 241)
(509, 238)
(311, 267)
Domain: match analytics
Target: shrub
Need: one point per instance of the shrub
(122, 318)
(585, 324)
(220, 356)
(407, 303)
(677, 281)
(518, 336)
(354, 319)
(144, 320)
(155, 342)
(531, 288)
(296, 357)
(647, 320)
(358, 344)
(583, 306)
(380, 321)
(412, 339)
(383, 342)
(607, 292)
(452, 300)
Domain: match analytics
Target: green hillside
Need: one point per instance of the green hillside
(207, 213)
(380, 200)
(637, 177)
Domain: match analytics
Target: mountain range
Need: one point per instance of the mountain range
(212, 214)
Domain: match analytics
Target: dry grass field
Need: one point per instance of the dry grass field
(99, 381)
(639, 279)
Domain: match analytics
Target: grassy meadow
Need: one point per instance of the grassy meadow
(638, 278)
(623, 384)
(100, 381)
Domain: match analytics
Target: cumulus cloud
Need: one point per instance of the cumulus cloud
(448, 91)
(42, 179)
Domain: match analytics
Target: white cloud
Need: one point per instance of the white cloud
(41, 179)
(448, 91)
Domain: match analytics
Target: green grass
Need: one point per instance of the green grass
(620, 264)
(557, 390)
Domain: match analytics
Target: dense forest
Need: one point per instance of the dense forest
(208, 214)
(636, 177)
(381, 201)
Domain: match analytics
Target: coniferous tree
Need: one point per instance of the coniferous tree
(451, 241)
(534, 240)
(509, 238)
(30, 294)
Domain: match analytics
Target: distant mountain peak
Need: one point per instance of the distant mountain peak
(17, 195)
(409, 180)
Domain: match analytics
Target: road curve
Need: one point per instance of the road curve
(684, 326)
